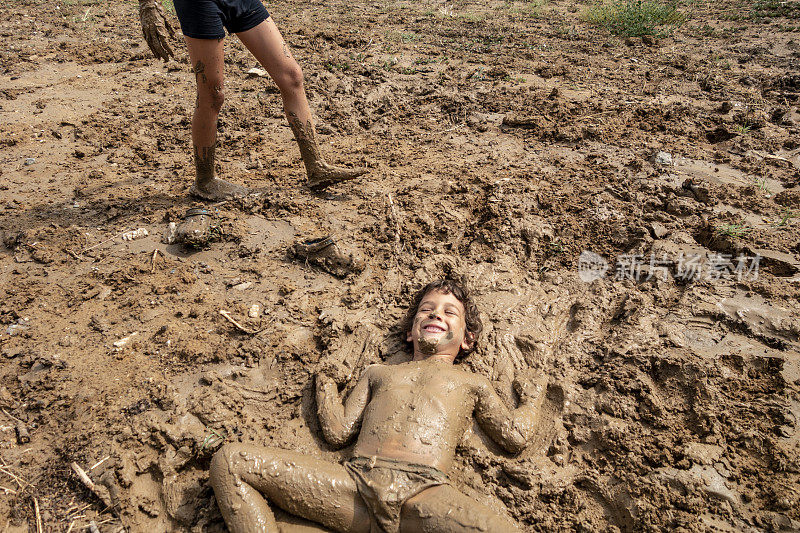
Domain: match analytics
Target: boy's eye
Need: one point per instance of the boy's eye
(450, 312)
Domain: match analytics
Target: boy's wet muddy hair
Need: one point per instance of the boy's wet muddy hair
(472, 318)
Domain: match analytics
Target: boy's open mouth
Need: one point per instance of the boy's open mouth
(433, 328)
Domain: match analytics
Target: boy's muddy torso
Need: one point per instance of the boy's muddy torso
(418, 412)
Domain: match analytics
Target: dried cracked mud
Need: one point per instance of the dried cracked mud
(504, 139)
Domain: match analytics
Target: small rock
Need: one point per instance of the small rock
(254, 311)
(658, 230)
(661, 159)
(169, 236)
(30, 161)
(257, 72)
(21, 325)
(120, 344)
(243, 286)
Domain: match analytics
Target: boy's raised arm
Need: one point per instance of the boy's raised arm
(511, 429)
(340, 422)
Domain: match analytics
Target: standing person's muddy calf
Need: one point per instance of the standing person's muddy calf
(203, 23)
(411, 416)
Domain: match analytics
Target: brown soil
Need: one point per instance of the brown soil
(503, 140)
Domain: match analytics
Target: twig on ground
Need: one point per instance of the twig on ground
(153, 261)
(102, 242)
(98, 463)
(71, 525)
(73, 254)
(19, 481)
(38, 515)
(240, 327)
(89, 484)
(765, 155)
(9, 415)
(7, 490)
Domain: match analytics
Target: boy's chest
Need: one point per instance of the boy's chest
(417, 387)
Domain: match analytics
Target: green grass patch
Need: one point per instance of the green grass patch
(635, 18)
(775, 8)
(731, 230)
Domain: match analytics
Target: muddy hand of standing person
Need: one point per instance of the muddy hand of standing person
(155, 28)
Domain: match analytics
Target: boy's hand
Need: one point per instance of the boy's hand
(155, 27)
(333, 371)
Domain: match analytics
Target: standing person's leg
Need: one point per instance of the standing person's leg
(244, 475)
(207, 59)
(267, 45)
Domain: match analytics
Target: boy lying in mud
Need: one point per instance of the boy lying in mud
(411, 416)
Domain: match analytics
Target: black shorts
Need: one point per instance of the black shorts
(205, 19)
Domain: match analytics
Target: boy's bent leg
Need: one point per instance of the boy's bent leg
(443, 509)
(207, 58)
(267, 45)
(301, 485)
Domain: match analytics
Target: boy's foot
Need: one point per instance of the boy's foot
(217, 189)
(325, 175)
(326, 254)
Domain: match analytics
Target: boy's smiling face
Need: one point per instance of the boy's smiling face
(439, 327)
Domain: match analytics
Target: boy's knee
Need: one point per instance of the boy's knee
(291, 78)
(211, 95)
(223, 460)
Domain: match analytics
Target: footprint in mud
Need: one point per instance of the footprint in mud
(615, 503)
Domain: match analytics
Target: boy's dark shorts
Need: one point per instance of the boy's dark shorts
(205, 19)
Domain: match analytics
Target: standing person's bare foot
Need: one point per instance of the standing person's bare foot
(206, 185)
(320, 173)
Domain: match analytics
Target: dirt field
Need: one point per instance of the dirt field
(504, 139)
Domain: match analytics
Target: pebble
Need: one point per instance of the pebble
(170, 234)
(30, 161)
(21, 325)
(661, 159)
(125, 340)
(254, 311)
(257, 72)
(658, 230)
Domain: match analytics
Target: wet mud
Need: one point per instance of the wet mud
(670, 401)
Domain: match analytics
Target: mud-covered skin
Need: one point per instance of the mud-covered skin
(156, 27)
(206, 185)
(416, 412)
(320, 174)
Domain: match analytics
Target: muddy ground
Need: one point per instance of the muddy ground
(504, 139)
